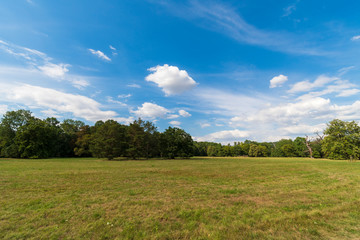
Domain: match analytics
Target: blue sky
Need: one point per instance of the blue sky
(223, 71)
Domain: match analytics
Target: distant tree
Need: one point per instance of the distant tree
(176, 142)
(70, 128)
(257, 151)
(280, 150)
(342, 140)
(136, 138)
(35, 139)
(83, 141)
(10, 123)
(300, 147)
(108, 140)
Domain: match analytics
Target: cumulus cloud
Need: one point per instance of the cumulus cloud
(355, 38)
(50, 99)
(151, 111)
(100, 54)
(184, 113)
(224, 136)
(278, 81)
(171, 79)
(306, 85)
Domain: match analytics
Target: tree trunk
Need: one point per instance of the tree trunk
(308, 146)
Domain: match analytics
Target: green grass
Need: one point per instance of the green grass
(199, 198)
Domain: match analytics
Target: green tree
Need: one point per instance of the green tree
(257, 151)
(69, 128)
(176, 142)
(10, 123)
(108, 140)
(342, 140)
(83, 141)
(35, 139)
(300, 147)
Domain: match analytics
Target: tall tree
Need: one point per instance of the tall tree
(176, 142)
(109, 140)
(10, 123)
(342, 140)
(35, 139)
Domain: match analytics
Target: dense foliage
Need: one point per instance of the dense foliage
(25, 136)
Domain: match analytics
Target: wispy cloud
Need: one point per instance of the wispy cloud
(113, 50)
(355, 38)
(219, 17)
(37, 60)
(290, 9)
(134, 85)
(100, 54)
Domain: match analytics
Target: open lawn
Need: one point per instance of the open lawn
(198, 198)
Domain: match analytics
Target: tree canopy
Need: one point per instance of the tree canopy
(23, 135)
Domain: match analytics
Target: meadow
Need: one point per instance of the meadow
(197, 198)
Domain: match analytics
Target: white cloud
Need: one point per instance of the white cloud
(224, 136)
(302, 129)
(216, 101)
(55, 70)
(40, 61)
(305, 86)
(112, 48)
(77, 81)
(151, 111)
(134, 85)
(171, 79)
(278, 81)
(111, 100)
(100, 54)
(124, 95)
(3, 109)
(184, 113)
(50, 99)
(355, 38)
(289, 10)
(205, 125)
(172, 116)
(51, 113)
(175, 123)
(292, 112)
(345, 70)
(348, 92)
(340, 86)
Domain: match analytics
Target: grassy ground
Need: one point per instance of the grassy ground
(200, 198)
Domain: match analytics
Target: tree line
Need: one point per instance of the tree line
(24, 136)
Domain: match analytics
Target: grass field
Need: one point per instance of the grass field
(199, 198)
